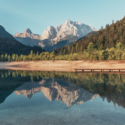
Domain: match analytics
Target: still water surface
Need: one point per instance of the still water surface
(51, 98)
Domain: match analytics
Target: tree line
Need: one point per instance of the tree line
(90, 53)
(89, 81)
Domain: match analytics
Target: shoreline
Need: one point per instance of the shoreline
(61, 65)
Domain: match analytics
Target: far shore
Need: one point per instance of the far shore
(60, 65)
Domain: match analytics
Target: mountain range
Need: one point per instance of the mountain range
(55, 37)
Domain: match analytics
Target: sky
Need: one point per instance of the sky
(37, 15)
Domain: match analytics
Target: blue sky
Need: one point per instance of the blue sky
(18, 15)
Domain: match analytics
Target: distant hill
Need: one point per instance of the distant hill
(88, 35)
(103, 39)
(91, 33)
(10, 46)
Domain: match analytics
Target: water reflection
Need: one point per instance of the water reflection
(67, 93)
(69, 88)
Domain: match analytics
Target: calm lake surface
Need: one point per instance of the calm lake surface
(57, 98)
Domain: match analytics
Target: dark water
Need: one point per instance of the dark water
(52, 98)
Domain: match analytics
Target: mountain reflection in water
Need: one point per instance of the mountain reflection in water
(69, 88)
(69, 94)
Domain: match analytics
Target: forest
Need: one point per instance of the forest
(90, 53)
(11, 46)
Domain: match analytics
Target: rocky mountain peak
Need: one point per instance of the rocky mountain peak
(68, 22)
(27, 37)
(50, 28)
(28, 31)
(49, 33)
(73, 22)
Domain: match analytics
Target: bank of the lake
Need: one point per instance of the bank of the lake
(67, 66)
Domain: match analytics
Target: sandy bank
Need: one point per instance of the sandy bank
(68, 66)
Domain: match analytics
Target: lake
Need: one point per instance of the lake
(60, 98)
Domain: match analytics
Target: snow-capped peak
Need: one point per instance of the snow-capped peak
(68, 22)
(49, 33)
(72, 22)
(69, 28)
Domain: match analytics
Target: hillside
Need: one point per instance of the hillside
(4, 33)
(12, 46)
(105, 38)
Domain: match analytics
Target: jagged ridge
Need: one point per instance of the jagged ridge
(69, 32)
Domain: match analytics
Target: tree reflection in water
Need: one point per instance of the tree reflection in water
(70, 88)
